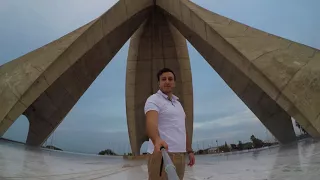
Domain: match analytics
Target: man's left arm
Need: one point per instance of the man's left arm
(189, 150)
(188, 143)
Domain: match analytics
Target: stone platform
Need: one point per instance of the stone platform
(294, 162)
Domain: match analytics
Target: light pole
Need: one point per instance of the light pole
(218, 146)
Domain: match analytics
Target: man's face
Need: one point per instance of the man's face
(166, 82)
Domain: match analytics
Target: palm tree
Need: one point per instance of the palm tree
(298, 126)
(302, 130)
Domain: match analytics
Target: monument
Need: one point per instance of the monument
(276, 78)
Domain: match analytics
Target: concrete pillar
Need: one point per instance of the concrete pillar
(157, 44)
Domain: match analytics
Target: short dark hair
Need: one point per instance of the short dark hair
(164, 70)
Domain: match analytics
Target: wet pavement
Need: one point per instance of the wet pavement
(295, 162)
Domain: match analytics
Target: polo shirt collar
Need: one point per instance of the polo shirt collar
(175, 98)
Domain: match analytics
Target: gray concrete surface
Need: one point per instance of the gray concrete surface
(294, 162)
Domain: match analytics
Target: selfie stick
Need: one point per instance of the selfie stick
(168, 165)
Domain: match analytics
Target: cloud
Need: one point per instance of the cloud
(299, 17)
(217, 105)
(231, 128)
(37, 23)
(99, 122)
(243, 117)
(90, 141)
(231, 133)
(4, 6)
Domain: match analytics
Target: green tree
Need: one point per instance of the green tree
(257, 143)
(107, 152)
(233, 146)
(248, 145)
(240, 145)
(224, 148)
(299, 127)
(302, 130)
(53, 147)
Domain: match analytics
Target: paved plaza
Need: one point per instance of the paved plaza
(294, 162)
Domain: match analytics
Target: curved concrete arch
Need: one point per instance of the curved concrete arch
(252, 61)
(157, 44)
(45, 84)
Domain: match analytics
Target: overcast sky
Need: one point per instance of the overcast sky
(98, 120)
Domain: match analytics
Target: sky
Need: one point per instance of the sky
(98, 120)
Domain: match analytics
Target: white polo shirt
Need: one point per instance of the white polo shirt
(171, 121)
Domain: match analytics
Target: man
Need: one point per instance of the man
(165, 125)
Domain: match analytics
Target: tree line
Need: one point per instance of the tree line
(255, 143)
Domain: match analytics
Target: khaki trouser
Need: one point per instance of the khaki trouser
(154, 163)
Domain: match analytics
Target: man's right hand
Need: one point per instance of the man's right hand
(158, 144)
